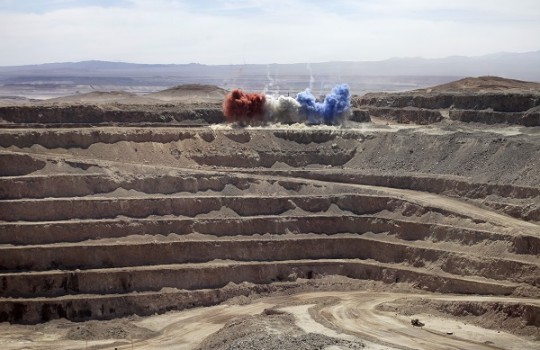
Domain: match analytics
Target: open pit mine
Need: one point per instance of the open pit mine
(200, 218)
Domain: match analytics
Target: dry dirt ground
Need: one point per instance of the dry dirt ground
(313, 320)
(185, 233)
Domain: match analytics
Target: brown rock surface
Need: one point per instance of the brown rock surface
(327, 228)
(487, 100)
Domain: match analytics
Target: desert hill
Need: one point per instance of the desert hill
(484, 84)
(486, 100)
(190, 91)
(94, 97)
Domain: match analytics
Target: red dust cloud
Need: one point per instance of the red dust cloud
(241, 107)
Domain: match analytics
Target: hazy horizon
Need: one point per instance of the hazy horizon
(277, 63)
(261, 31)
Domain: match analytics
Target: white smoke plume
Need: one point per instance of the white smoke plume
(282, 109)
(311, 78)
(270, 85)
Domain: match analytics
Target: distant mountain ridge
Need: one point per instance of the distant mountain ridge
(524, 66)
(395, 74)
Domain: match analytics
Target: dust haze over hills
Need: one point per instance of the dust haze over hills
(396, 74)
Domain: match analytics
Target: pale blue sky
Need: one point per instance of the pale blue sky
(262, 31)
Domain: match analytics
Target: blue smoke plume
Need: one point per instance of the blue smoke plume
(330, 111)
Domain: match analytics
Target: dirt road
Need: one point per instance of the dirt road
(357, 314)
(342, 315)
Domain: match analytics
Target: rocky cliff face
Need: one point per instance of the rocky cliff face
(107, 114)
(427, 107)
(489, 100)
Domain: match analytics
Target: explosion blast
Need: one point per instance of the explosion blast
(245, 108)
(241, 107)
(330, 110)
(283, 109)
